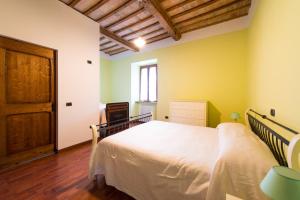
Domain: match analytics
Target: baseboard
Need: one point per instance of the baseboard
(14, 166)
(74, 146)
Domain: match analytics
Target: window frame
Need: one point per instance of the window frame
(140, 88)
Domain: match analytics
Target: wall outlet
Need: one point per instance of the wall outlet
(272, 112)
(69, 104)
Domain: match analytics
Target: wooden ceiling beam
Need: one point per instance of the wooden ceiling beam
(217, 11)
(206, 5)
(154, 7)
(105, 43)
(116, 51)
(95, 7)
(115, 38)
(140, 10)
(216, 19)
(122, 6)
(134, 24)
(179, 5)
(200, 6)
(74, 3)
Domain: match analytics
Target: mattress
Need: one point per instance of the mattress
(153, 161)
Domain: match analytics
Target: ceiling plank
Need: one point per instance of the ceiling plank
(217, 11)
(154, 7)
(105, 43)
(179, 5)
(95, 7)
(206, 6)
(110, 47)
(115, 38)
(74, 3)
(134, 24)
(122, 6)
(157, 38)
(139, 30)
(149, 33)
(140, 10)
(217, 19)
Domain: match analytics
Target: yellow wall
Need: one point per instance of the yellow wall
(274, 60)
(105, 83)
(213, 69)
(255, 68)
(258, 68)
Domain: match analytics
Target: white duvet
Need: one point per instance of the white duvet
(158, 160)
(167, 161)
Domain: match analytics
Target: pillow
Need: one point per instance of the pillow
(228, 132)
(232, 130)
(242, 163)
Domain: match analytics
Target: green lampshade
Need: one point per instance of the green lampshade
(281, 183)
(235, 116)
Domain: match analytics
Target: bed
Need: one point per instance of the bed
(162, 160)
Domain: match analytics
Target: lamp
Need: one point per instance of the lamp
(139, 42)
(281, 183)
(235, 116)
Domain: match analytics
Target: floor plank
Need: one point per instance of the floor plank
(58, 177)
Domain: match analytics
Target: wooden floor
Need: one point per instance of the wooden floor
(62, 176)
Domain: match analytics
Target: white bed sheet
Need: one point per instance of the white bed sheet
(152, 161)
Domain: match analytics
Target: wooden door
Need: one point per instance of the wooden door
(27, 101)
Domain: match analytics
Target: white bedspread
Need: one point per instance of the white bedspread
(242, 163)
(153, 161)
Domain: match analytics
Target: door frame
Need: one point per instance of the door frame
(55, 82)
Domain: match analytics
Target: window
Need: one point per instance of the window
(148, 83)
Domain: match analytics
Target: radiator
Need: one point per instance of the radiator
(148, 108)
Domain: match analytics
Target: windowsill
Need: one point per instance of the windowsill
(146, 102)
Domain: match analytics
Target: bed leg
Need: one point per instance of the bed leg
(99, 181)
(95, 179)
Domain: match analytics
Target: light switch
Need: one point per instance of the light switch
(272, 112)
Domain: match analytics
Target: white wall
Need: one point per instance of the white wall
(51, 23)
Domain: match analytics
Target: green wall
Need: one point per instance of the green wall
(213, 69)
(274, 60)
(105, 82)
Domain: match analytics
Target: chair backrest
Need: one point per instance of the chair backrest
(117, 113)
